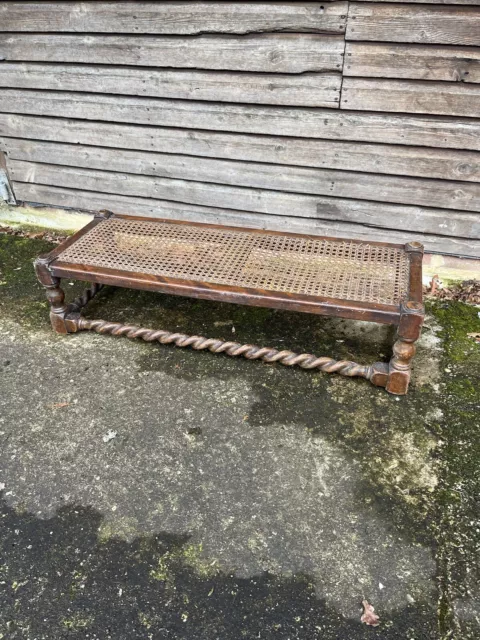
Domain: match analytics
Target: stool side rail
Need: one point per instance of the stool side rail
(373, 312)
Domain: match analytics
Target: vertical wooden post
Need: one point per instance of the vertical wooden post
(412, 313)
(55, 297)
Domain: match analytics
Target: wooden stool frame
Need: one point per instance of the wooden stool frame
(407, 315)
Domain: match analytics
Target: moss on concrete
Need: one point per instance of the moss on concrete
(21, 296)
(77, 622)
(124, 528)
(457, 527)
(418, 454)
(186, 555)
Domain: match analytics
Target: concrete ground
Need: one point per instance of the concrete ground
(153, 492)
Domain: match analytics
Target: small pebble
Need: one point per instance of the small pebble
(110, 435)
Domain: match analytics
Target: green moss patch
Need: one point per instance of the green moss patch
(458, 522)
(188, 555)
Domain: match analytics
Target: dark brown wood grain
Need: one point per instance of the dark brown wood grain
(222, 293)
(415, 293)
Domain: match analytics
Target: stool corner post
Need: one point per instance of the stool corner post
(412, 314)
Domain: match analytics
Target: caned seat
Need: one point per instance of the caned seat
(290, 264)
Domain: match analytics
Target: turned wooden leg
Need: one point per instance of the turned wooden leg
(404, 348)
(62, 321)
(400, 367)
(58, 308)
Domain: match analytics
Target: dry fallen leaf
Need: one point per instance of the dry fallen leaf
(368, 616)
(60, 405)
(467, 291)
(434, 285)
(42, 235)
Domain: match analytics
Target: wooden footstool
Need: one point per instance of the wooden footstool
(372, 281)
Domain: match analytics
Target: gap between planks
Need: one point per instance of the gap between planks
(331, 124)
(255, 200)
(427, 192)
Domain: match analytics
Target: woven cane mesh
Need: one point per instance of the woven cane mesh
(344, 270)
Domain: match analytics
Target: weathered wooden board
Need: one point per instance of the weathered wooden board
(272, 53)
(456, 133)
(173, 17)
(88, 200)
(432, 23)
(160, 86)
(438, 221)
(345, 184)
(414, 96)
(310, 152)
(306, 89)
(416, 62)
(470, 2)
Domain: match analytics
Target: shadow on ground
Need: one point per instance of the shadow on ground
(63, 582)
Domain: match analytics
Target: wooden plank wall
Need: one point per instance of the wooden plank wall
(344, 118)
